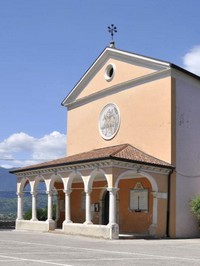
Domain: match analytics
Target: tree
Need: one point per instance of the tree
(195, 207)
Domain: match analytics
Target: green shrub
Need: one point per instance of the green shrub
(28, 215)
(41, 214)
(195, 207)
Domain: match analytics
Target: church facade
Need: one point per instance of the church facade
(133, 153)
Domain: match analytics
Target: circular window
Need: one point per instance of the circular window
(109, 73)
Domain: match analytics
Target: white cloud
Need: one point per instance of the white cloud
(21, 149)
(191, 60)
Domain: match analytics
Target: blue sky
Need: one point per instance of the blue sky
(47, 45)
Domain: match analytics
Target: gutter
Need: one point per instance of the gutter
(168, 203)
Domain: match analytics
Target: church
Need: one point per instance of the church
(133, 153)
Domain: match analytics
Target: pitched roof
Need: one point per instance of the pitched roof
(122, 152)
(106, 53)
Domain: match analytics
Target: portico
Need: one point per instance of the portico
(83, 185)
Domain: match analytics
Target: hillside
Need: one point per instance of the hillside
(8, 182)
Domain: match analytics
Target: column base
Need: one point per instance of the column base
(67, 222)
(152, 229)
(50, 221)
(34, 219)
(88, 222)
(112, 224)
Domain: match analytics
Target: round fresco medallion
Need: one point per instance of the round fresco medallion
(109, 121)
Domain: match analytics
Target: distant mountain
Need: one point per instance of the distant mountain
(8, 182)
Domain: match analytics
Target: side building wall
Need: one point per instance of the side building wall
(187, 153)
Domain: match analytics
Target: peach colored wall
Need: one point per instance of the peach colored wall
(162, 218)
(124, 71)
(96, 197)
(129, 221)
(77, 213)
(145, 121)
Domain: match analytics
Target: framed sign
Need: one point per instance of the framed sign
(139, 198)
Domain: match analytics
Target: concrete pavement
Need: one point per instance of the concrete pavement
(19, 248)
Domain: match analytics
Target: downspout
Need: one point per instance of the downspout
(168, 202)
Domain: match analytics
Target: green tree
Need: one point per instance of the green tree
(195, 207)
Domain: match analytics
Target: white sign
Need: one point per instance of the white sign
(139, 199)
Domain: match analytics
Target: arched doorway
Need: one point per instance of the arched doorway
(105, 208)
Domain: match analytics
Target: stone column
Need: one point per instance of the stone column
(57, 207)
(67, 206)
(50, 205)
(20, 206)
(88, 207)
(112, 205)
(153, 226)
(155, 207)
(34, 206)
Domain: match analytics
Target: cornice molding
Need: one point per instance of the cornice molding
(110, 163)
(110, 53)
(119, 87)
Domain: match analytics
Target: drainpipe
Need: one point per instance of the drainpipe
(168, 202)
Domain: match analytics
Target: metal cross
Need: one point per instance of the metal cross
(112, 29)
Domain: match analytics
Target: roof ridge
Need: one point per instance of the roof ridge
(108, 147)
(122, 148)
(146, 154)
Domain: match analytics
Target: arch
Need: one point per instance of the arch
(37, 180)
(93, 174)
(24, 192)
(54, 178)
(137, 174)
(23, 183)
(72, 176)
(141, 174)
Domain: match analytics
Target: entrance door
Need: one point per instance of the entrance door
(105, 209)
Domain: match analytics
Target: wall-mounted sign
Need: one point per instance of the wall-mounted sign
(139, 198)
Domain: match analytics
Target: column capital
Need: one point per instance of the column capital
(67, 191)
(34, 193)
(88, 191)
(113, 189)
(19, 194)
(49, 192)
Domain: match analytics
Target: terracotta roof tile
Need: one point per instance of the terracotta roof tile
(121, 152)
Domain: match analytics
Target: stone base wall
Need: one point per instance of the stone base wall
(101, 231)
(93, 230)
(35, 225)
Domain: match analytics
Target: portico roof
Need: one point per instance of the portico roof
(122, 152)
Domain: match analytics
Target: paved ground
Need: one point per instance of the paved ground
(19, 248)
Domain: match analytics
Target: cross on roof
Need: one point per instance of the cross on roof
(112, 29)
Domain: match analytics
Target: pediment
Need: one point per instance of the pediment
(113, 68)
